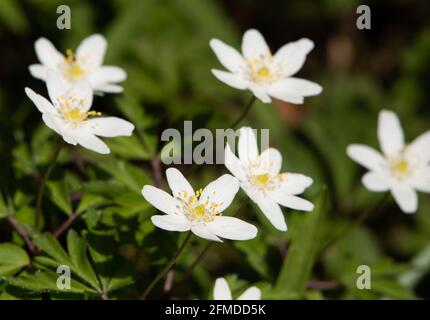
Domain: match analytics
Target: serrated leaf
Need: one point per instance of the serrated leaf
(50, 246)
(12, 259)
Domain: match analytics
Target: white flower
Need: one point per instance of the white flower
(200, 211)
(401, 168)
(266, 75)
(260, 178)
(222, 292)
(69, 115)
(86, 64)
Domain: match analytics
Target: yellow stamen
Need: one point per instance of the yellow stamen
(71, 67)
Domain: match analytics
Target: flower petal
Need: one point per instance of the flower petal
(366, 156)
(375, 182)
(47, 54)
(390, 133)
(421, 180)
(254, 45)
(108, 88)
(222, 290)
(252, 293)
(203, 232)
(91, 50)
(231, 79)
(41, 103)
(273, 212)
(171, 222)
(82, 90)
(160, 199)
(178, 183)
(247, 146)
(39, 71)
(221, 191)
(109, 127)
(232, 228)
(294, 183)
(291, 201)
(233, 164)
(260, 93)
(292, 89)
(421, 147)
(291, 56)
(271, 159)
(91, 142)
(52, 122)
(229, 57)
(406, 197)
(56, 87)
(107, 74)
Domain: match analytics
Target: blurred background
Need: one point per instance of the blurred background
(163, 45)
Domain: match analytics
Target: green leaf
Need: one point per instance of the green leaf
(50, 246)
(12, 259)
(305, 242)
(392, 289)
(59, 195)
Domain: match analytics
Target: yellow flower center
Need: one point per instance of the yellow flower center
(198, 211)
(71, 109)
(261, 180)
(260, 69)
(71, 67)
(401, 168)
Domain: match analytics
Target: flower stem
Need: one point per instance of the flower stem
(166, 269)
(45, 178)
(244, 113)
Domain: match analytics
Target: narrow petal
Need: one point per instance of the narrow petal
(227, 56)
(289, 89)
(107, 74)
(291, 57)
(291, 201)
(56, 87)
(366, 156)
(252, 293)
(47, 54)
(203, 232)
(178, 183)
(171, 222)
(421, 147)
(108, 88)
(109, 127)
(406, 198)
(41, 103)
(390, 133)
(231, 79)
(222, 290)
(293, 184)
(272, 160)
(221, 191)
(38, 71)
(375, 182)
(254, 45)
(92, 50)
(273, 212)
(160, 199)
(232, 228)
(247, 146)
(233, 164)
(91, 142)
(260, 93)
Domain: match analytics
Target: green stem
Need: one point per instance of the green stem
(45, 179)
(244, 113)
(167, 268)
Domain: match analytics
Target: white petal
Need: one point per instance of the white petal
(178, 183)
(292, 89)
(232, 228)
(254, 45)
(252, 293)
(231, 79)
(41, 103)
(221, 191)
(421, 147)
(171, 222)
(272, 160)
(82, 90)
(406, 197)
(421, 180)
(294, 183)
(52, 122)
(108, 88)
(47, 54)
(291, 201)
(260, 93)
(291, 57)
(227, 55)
(375, 182)
(366, 156)
(109, 127)
(92, 50)
(160, 199)
(203, 232)
(233, 164)
(56, 86)
(91, 142)
(390, 133)
(247, 146)
(222, 290)
(273, 212)
(106, 74)
(39, 71)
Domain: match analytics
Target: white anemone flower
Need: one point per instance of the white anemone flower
(68, 114)
(402, 169)
(200, 211)
(222, 292)
(260, 178)
(85, 64)
(266, 75)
